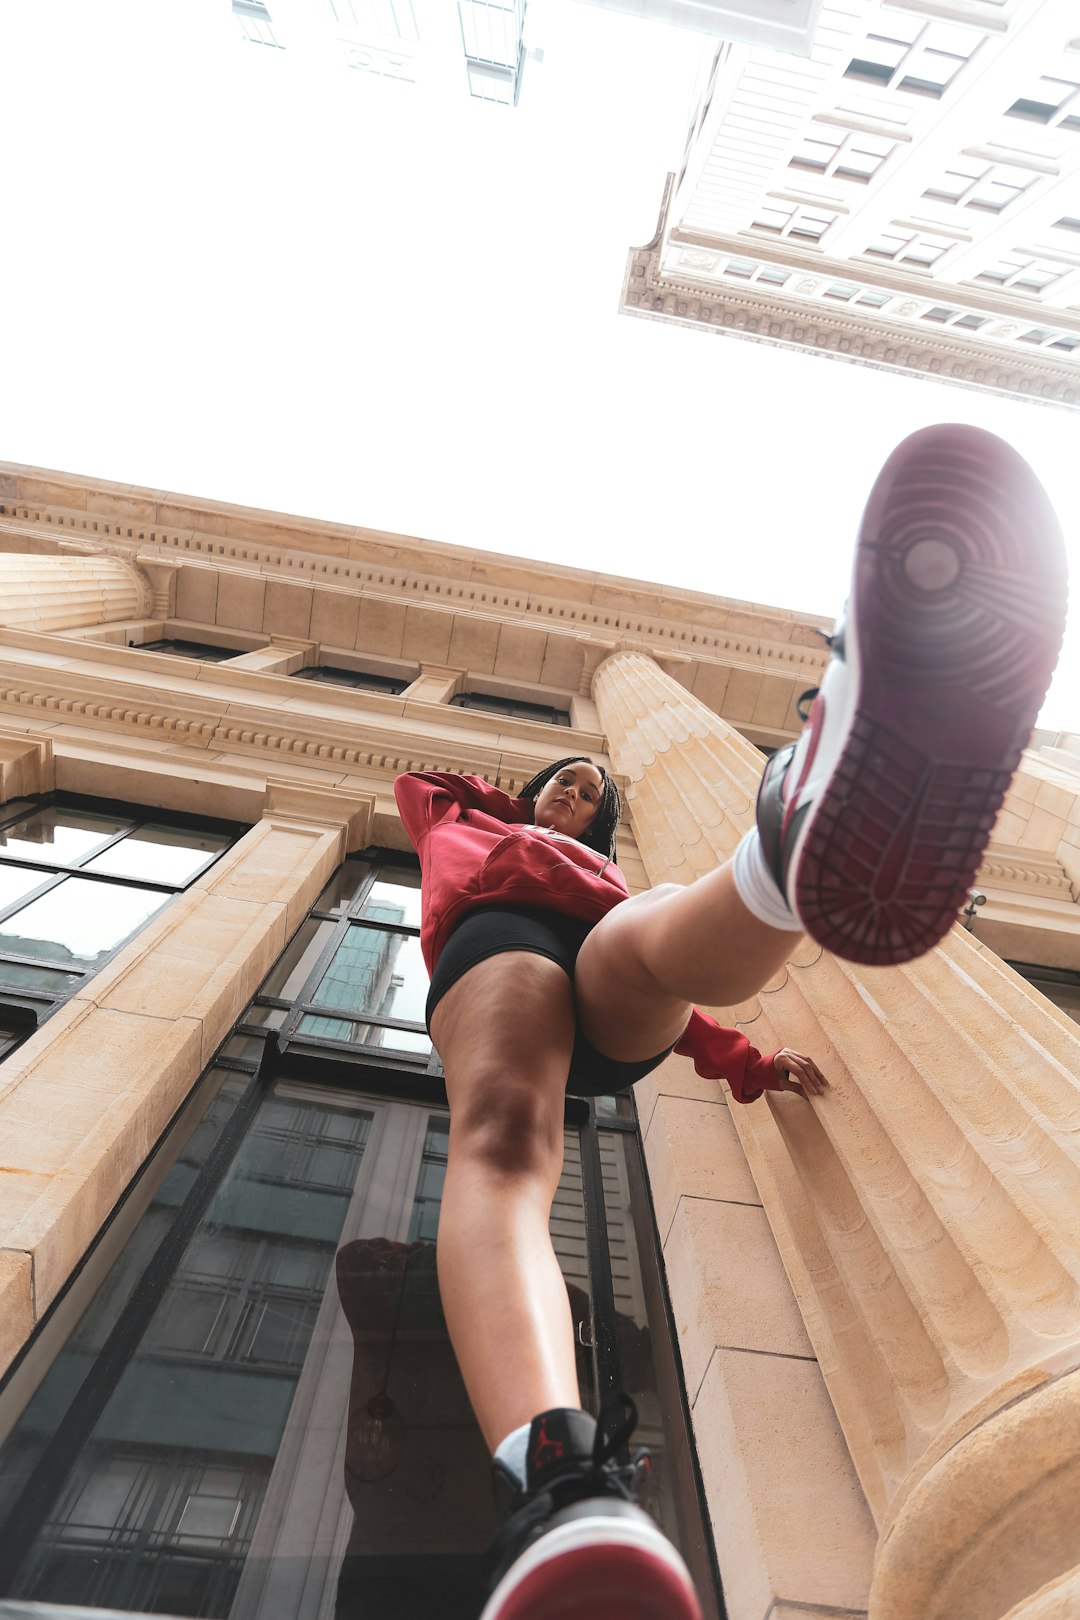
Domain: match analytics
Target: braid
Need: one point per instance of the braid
(600, 833)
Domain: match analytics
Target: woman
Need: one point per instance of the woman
(545, 973)
(546, 977)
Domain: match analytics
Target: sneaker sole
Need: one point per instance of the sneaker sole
(596, 1569)
(955, 622)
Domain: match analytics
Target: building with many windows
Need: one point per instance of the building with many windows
(906, 196)
(852, 1327)
(478, 45)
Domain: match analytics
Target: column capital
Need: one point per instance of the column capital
(288, 800)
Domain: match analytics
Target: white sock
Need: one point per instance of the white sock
(757, 887)
(513, 1452)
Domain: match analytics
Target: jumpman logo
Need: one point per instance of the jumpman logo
(546, 1450)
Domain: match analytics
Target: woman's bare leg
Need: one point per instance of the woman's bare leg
(648, 962)
(505, 1032)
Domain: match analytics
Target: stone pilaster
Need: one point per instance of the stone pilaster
(69, 592)
(925, 1209)
(84, 1099)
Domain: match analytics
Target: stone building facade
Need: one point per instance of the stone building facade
(902, 196)
(853, 1326)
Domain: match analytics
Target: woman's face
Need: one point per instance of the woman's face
(570, 800)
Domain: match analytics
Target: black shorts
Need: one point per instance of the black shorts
(491, 930)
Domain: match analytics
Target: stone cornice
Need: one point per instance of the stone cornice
(839, 334)
(215, 724)
(1036, 872)
(757, 635)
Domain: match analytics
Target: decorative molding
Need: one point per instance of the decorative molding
(1037, 875)
(270, 739)
(288, 800)
(160, 580)
(26, 764)
(786, 323)
(698, 639)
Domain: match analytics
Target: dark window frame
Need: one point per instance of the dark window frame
(178, 647)
(395, 1077)
(357, 679)
(511, 708)
(27, 1006)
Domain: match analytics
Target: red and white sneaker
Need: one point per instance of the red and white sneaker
(875, 821)
(576, 1546)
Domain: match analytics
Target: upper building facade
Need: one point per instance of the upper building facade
(852, 1325)
(477, 44)
(906, 196)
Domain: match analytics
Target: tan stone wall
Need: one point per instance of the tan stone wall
(83, 1101)
(925, 1212)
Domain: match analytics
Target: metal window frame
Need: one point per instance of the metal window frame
(511, 708)
(44, 1003)
(316, 1060)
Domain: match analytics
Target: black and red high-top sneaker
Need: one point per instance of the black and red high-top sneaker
(576, 1546)
(875, 821)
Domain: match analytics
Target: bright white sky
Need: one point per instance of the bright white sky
(262, 277)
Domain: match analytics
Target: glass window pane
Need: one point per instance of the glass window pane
(358, 1034)
(59, 837)
(31, 976)
(265, 1017)
(396, 901)
(377, 973)
(344, 886)
(79, 921)
(287, 978)
(16, 881)
(160, 854)
(246, 1048)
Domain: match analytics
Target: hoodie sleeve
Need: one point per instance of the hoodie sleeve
(425, 797)
(725, 1054)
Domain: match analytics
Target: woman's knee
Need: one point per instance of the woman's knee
(509, 1123)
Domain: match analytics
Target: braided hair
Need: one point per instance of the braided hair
(600, 833)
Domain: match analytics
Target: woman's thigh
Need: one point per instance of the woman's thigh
(505, 1032)
(621, 1008)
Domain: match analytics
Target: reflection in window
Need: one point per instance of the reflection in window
(261, 1397)
(353, 976)
(75, 885)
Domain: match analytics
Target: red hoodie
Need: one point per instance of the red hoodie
(478, 847)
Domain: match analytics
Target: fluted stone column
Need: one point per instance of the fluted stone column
(927, 1208)
(69, 593)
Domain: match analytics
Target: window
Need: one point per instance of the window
(353, 978)
(840, 154)
(492, 36)
(920, 251)
(1022, 273)
(254, 20)
(331, 675)
(511, 707)
(798, 224)
(279, 1292)
(75, 885)
(1059, 985)
(1049, 101)
(990, 187)
(904, 53)
(191, 649)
